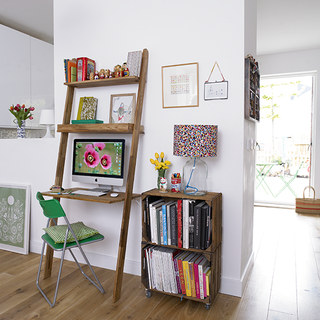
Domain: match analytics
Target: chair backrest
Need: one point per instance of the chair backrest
(51, 208)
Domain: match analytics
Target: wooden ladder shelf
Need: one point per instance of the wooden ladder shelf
(136, 129)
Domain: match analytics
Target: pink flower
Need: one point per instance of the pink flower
(31, 108)
(91, 158)
(89, 146)
(99, 145)
(105, 161)
(30, 118)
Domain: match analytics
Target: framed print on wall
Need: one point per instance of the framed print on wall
(14, 217)
(122, 107)
(180, 85)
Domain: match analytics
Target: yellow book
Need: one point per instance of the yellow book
(186, 273)
(208, 276)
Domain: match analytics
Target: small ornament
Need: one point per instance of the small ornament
(101, 74)
(125, 69)
(91, 75)
(163, 184)
(117, 71)
(107, 73)
(96, 75)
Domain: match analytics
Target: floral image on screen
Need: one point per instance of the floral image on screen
(98, 158)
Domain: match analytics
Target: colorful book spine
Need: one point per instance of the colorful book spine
(176, 268)
(181, 275)
(173, 216)
(84, 67)
(179, 218)
(186, 274)
(196, 276)
(164, 224)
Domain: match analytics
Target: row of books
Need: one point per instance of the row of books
(79, 69)
(183, 223)
(177, 271)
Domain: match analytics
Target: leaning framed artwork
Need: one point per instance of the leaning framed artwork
(180, 85)
(14, 217)
(122, 107)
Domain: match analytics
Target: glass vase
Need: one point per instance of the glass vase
(195, 174)
(21, 131)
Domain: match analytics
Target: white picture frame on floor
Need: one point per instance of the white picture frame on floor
(14, 217)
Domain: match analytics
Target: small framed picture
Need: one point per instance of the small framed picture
(216, 90)
(14, 217)
(180, 85)
(122, 107)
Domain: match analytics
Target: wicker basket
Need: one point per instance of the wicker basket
(308, 205)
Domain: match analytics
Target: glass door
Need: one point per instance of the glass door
(284, 137)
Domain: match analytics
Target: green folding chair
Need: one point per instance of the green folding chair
(73, 236)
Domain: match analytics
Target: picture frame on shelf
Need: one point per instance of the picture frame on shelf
(122, 108)
(14, 217)
(180, 85)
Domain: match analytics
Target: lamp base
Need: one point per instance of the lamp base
(195, 174)
(48, 133)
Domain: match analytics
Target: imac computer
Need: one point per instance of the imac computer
(98, 161)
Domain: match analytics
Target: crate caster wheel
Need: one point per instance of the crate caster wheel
(148, 294)
(207, 306)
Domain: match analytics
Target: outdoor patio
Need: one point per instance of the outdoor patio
(275, 184)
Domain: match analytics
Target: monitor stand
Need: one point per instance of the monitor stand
(102, 188)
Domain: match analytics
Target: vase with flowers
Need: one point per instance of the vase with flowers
(21, 114)
(161, 166)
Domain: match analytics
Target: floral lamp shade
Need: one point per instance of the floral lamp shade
(195, 140)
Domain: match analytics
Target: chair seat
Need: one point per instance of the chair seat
(59, 246)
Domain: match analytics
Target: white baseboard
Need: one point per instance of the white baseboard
(235, 287)
(95, 259)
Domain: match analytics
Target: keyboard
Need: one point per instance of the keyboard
(89, 193)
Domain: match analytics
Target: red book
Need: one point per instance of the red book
(180, 267)
(84, 67)
(196, 275)
(179, 218)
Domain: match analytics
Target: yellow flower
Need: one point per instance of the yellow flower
(157, 167)
(161, 155)
(152, 161)
(157, 163)
(165, 167)
(157, 155)
(167, 162)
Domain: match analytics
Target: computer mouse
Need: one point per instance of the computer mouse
(114, 195)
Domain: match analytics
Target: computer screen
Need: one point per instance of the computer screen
(98, 161)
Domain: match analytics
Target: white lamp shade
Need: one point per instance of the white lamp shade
(47, 117)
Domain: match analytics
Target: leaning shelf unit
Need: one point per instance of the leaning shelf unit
(212, 253)
(124, 128)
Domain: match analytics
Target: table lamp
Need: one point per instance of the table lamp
(47, 119)
(195, 141)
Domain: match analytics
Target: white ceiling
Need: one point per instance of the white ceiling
(282, 25)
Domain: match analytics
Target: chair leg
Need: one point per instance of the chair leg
(59, 276)
(98, 284)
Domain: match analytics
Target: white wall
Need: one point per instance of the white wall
(28, 75)
(306, 61)
(174, 32)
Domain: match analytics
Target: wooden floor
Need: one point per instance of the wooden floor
(284, 283)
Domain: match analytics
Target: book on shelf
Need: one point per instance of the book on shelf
(197, 224)
(205, 220)
(186, 273)
(84, 67)
(87, 108)
(154, 221)
(72, 70)
(179, 222)
(134, 63)
(208, 279)
(168, 204)
(196, 275)
(201, 266)
(173, 224)
(176, 269)
(149, 200)
(180, 267)
(192, 278)
(86, 121)
(185, 223)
